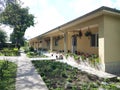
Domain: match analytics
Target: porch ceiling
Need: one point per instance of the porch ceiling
(54, 33)
(83, 28)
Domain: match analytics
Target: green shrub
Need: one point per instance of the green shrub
(1, 54)
(31, 49)
(35, 55)
(7, 75)
(9, 52)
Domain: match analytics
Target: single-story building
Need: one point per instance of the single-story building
(97, 32)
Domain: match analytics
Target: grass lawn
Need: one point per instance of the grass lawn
(7, 75)
(60, 76)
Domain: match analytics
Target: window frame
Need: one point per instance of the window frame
(55, 42)
(96, 40)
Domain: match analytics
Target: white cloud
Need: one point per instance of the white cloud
(7, 29)
(84, 6)
(117, 4)
(47, 17)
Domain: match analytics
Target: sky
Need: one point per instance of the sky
(52, 13)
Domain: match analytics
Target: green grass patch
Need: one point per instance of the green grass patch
(9, 52)
(7, 75)
(60, 76)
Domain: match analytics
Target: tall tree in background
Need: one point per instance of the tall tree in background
(3, 36)
(18, 18)
(3, 3)
(13, 39)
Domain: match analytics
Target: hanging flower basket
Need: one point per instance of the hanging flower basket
(40, 41)
(88, 33)
(58, 37)
(80, 34)
(47, 40)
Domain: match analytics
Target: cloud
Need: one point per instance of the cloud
(7, 29)
(117, 4)
(50, 14)
(84, 6)
(47, 17)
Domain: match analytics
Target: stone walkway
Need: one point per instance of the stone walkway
(27, 77)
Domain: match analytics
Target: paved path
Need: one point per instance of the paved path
(90, 70)
(27, 77)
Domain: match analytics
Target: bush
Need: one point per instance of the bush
(8, 52)
(7, 75)
(30, 54)
(31, 49)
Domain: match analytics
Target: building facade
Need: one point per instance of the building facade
(97, 32)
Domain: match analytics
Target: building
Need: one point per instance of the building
(97, 32)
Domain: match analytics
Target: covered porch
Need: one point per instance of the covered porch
(94, 33)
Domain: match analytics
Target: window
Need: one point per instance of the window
(48, 43)
(74, 41)
(56, 42)
(94, 40)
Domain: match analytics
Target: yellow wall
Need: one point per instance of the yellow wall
(83, 43)
(112, 44)
(60, 45)
(33, 43)
(44, 44)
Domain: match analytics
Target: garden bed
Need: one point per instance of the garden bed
(35, 55)
(60, 76)
(7, 75)
(9, 52)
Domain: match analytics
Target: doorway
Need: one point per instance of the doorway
(74, 44)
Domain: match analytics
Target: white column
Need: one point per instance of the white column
(101, 46)
(51, 43)
(65, 41)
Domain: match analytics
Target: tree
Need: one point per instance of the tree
(18, 18)
(3, 3)
(3, 36)
(13, 39)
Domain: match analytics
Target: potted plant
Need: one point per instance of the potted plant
(80, 34)
(88, 34)
(58, 37)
